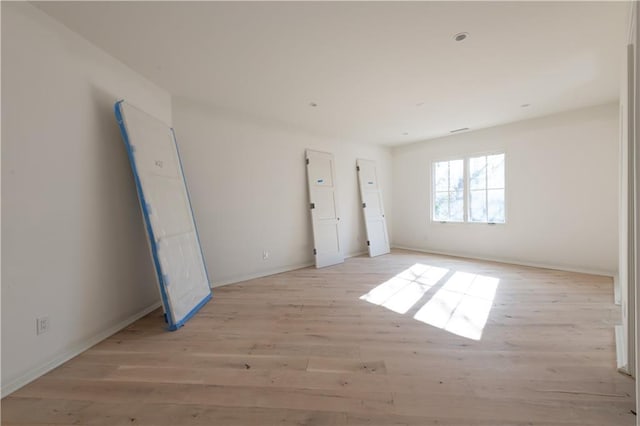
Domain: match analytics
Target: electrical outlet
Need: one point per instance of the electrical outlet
(42, 325)
(265, 255)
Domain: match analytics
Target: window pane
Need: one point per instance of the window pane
(495, 169)
(495, 209)
(477, 172)
(456, 182)
(441, 176)
(441, 206)
(457, 206)
(478, 206)
(478, 198)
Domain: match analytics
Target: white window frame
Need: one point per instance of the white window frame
(486, 190)
(466, 190)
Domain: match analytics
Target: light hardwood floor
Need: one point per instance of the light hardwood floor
(302, 348)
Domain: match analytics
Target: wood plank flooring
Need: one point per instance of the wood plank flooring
(302, 348)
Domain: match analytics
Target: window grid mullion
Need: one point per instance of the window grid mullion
(449, 192)
(486, 188)
(465, 190)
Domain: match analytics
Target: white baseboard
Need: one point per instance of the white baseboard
(275, 271)
(262, 274)
(621, 350)
(358, 253)
(73, 351)
(512, 262)
(617, 291)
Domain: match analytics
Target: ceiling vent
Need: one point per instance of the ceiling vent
(462, 129)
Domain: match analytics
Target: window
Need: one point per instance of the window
(470, 189)
(486, 189)
(448, 203)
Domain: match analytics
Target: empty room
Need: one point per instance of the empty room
(319, 213)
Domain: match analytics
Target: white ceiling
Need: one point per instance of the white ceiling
(376, 70)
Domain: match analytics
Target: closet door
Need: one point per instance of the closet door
(372, 208)
(325, 217)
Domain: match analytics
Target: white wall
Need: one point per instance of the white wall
(73, 244)
(562, 193)
(248, 189)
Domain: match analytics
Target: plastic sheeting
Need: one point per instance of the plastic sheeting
(173, 238)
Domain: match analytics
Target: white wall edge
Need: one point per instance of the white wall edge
(617, 290)
(631, 23)
(512, 262)
(73, 351)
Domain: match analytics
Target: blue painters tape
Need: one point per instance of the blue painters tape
(163, 280)
(145, 212)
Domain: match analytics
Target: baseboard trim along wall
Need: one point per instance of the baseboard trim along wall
(512, 262)
(356, 254)
(73, 351)
(262, 274)
(275, 271)
(621, 350)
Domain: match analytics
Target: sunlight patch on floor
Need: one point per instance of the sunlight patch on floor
(462, 305)
(404, 290)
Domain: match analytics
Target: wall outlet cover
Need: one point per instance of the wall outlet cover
(42, 325)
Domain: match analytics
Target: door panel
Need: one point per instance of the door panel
(373, 202)
(325, 204)
(368, 177)
(327, 240)
(321, 174)
(325, 217)
(372, 208)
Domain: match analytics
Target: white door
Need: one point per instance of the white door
(372, 207)
(171, 229)
(325, 218)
